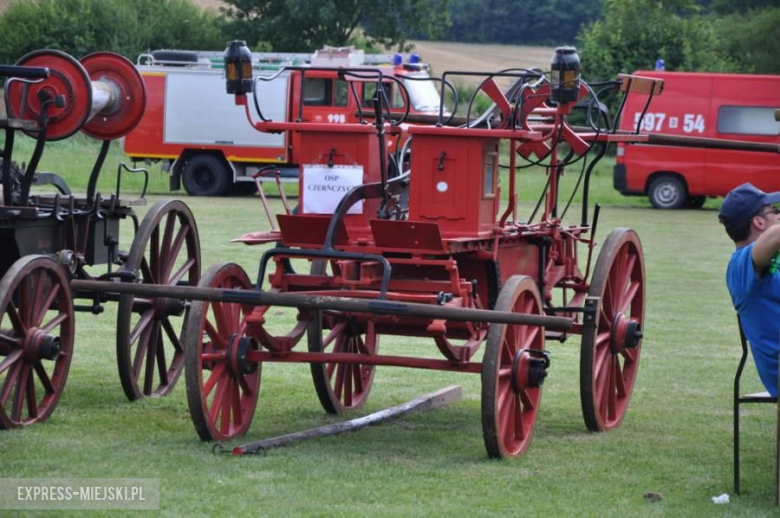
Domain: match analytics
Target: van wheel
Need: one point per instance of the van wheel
(206, 175)
(695, 202)
(667, 192)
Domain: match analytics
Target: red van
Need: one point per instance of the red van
(720, 106)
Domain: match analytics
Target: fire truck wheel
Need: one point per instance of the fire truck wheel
(667, 192)
(206, 175)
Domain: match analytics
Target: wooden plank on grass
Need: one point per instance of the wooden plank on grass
(426, 402)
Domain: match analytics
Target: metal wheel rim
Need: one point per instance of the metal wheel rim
(342, 387)
(142, 348)
(508, 418)
(668, 194)
(22, 379)
(222, 405)
(607, 378)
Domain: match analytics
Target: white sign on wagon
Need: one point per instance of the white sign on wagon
(323, 187)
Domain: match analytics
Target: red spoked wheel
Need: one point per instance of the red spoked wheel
(513, 370)
(36, 340)
(342, 386)
(609, 358)
(165, 251)
(222, 385)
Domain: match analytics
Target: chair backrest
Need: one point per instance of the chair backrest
(742, 359)
(760, 397)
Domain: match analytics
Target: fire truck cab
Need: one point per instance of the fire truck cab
(204, 140)
(717, 106)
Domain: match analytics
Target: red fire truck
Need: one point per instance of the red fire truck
(716, 106)
(203, 139)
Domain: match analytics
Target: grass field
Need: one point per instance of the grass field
(675, 440)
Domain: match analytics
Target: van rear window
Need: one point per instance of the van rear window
(748, 120)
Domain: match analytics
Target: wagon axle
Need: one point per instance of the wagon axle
(168, 307)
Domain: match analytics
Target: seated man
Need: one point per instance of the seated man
(752, 278)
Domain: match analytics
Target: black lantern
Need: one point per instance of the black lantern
(238, 68)
(565, 75)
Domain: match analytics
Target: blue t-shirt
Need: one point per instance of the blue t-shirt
(757, 300)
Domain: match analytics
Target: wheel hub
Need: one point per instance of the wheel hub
(167, 307)
(237, 349)
(529, 369)
(204, 177)
(625, 333)
(40, 346)
(667, 193)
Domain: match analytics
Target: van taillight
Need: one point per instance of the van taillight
(621, 151)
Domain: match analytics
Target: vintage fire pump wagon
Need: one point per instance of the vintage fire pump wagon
(203, 138)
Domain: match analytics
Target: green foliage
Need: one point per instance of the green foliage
(730, 6)
(751, 39)
(304, 25)
(554, 22)
(632, 35)
(79, 27)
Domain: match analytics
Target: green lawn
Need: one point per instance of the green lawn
(675, 440)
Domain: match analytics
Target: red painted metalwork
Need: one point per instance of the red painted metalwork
(443, 236)
(120, 80)
(68, 80)
(421, 243)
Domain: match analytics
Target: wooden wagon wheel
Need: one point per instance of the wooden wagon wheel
(222, 387)
(165, 251)
(342, 386)
(36, 340)
(609, 357)
(513, 370)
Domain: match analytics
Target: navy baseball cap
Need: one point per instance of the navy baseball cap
(744, 202)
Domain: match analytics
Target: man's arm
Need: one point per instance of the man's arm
(767, 245)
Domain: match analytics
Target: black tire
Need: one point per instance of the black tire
(175, 58)
(695, 202)
(667, 192)
(206, 175)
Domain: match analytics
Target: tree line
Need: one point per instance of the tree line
(611, 35)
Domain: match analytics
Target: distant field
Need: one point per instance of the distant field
(443, 56)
